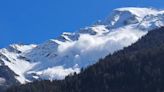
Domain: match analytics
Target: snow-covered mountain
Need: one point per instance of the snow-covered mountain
(57, 58)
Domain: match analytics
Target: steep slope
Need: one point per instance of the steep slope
(68, 53)
(138, 68)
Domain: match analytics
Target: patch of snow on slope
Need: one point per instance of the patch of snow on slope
(2, 81)
(56, 73)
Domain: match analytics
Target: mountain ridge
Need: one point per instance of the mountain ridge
(70, 52)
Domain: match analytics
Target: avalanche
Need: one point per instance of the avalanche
(66, 54)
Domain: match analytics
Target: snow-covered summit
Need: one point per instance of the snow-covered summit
(139, 12)
(130, 15)
(19, 48)
(56, 58)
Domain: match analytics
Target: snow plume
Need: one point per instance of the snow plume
(90, 48)
(56, 73)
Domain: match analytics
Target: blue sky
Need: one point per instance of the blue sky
(35, 21)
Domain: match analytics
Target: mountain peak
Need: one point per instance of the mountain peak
(19, 48)
(138, 11)
(129, 15)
